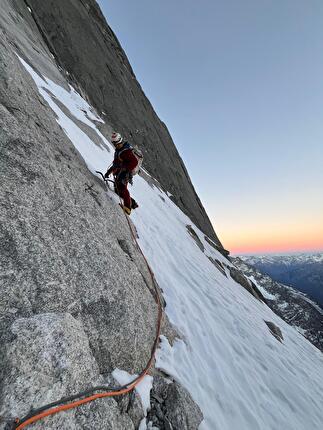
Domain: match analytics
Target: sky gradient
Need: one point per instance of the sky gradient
(240, 87)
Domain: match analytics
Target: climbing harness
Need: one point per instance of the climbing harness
(70, 402)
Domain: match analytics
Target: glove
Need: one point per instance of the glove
(107, 174)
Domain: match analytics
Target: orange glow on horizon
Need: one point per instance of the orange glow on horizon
(283, 249)
(276, 246)
(261, 240)
(274, 229)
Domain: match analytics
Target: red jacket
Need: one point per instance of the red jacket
(124, 159)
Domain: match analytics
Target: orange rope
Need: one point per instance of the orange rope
(88, 399)
(82, 401)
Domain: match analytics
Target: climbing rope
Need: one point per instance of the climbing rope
(87, 396)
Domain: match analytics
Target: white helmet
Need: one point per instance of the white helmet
(116, 138)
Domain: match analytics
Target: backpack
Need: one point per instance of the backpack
(136, 152)
(139, 155)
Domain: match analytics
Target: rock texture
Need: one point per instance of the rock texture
(172, 407)
(84, 45)
(246, 283)
(75, 294)
(275, 331)
(60, 250)
(66, 282)
(57, 360)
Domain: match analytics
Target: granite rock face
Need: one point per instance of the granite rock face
(66, 282)
(75, 294)
(48, 358)
(84, 45)
(61, 243)
(172, 407)
(182, 411)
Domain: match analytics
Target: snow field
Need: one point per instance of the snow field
(238, 373)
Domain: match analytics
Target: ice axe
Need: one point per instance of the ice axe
(104, 179)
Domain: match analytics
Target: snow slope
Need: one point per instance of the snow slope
(239, 374)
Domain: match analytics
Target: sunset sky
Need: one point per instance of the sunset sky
(240, 86)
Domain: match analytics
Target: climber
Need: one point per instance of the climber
(125, 164)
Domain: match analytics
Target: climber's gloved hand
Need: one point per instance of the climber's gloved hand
(106, 176)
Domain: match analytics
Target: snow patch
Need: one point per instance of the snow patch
(143, 388)
(97, 158)
(263, 291)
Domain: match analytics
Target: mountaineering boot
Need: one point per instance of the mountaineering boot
(134, 204)
(125, 209)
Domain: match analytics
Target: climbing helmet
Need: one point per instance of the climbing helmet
(116, 138)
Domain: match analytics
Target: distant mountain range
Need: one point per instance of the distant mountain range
(303, 271)
(291, 305)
